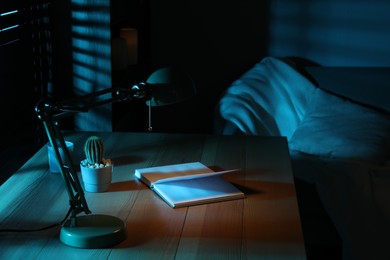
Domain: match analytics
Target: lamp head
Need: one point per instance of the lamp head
(168, 86)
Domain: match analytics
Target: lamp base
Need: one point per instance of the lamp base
(93, 231)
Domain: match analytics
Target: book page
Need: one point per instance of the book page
(193, 176)
(152, 174)
(197, 191)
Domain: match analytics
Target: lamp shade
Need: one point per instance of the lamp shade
(170, 85)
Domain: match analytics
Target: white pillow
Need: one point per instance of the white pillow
(337, 128)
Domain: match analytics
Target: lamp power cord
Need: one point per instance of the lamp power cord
(38, 229)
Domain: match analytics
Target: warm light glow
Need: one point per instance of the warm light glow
(131, 36)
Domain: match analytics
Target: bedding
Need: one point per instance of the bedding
(339, 145)
(274, 99)
(334, 127)
(270, 99)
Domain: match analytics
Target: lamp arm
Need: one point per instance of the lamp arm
(50, 113)
(65, 108)
(76, 196)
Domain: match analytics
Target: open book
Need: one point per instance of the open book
(188, 184)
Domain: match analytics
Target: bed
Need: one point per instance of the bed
(337, 124)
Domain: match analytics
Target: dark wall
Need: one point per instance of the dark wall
(214, 41)
(21, 78)
(332, 32)
(18, 134)
(62, 50)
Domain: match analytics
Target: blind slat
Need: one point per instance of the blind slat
(9, 21)
(9, 27)
(17, 16)
(9, 36)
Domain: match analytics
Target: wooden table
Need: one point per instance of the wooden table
(264, 225)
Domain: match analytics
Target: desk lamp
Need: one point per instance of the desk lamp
(163, 87)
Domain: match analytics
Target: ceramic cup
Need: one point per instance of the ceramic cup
(96, 179)
(53, 164)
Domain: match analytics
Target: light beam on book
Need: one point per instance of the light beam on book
(188, 184)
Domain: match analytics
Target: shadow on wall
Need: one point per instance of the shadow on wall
(91, 59)
(333, 33)
(82, 58)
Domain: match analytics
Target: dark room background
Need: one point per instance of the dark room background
(332, 33)
(214, 41)
(217, 41)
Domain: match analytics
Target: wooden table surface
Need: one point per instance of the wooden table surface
(264, 225)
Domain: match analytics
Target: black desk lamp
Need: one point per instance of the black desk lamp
(163, 87)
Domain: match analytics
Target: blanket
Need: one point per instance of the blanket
(269, 99)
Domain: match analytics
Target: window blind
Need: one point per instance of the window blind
(17, 16)
(10, 22)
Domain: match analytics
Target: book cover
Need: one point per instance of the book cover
(188, 184)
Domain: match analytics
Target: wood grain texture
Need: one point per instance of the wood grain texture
(264, 225)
